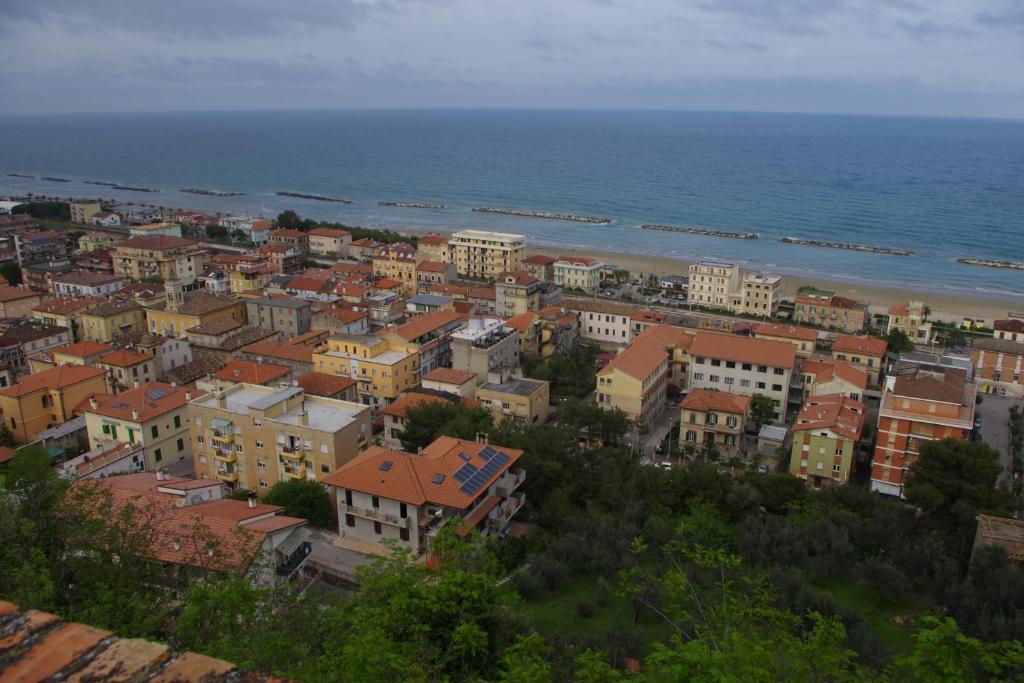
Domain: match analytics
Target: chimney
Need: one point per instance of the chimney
(188, 395)
(161, 474)
(481, 438)
(304, 418)
(93, 403)
(177, 543)
(135, 384)
(252, 499)
(135, 416)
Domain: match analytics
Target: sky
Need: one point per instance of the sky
(906, 57)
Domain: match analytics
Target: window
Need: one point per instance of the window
(403, 510)
(323, 448)
(350, 520)
(698, 376)
(745, 383)
(181, 442)
(348, 496)
(259, 444)
(779, 371)
(376, 528)
(776, 387)
(325, 469)
(263, 483)
(155, 431)
(730, 364)
(691, 436)
(713, 378)
(261, 464)
(729, 380)
(200, 439)
(748, 366)
(199, 419)
(157, 456)
(716, 363)
(762, 368)
(375, 501)
(177, 421)
(837, 468)
(403, 534)
(731, 421)
(761, 385)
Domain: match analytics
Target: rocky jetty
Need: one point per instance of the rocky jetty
(314, 197)
(706, 232)
(119, 186)
(845, 245)
(992, 263)
(20, 175)
(211, 193)
(105, 183)
(526, 213)
(412, 205)
(54, 179)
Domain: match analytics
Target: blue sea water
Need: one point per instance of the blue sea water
(941, 187)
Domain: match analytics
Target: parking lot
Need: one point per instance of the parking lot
(995, 427)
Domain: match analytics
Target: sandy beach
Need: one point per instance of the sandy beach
(944, 306)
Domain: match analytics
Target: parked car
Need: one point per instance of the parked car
(762, 468)
(663, 465)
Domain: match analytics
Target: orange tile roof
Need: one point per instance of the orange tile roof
(899, 309)
(285, 350)
(8, 293)
(54, 378)
(433, 266)
(323, 384)
(826, 370)
(576, 261)
(123, 358)
(344, 267)
(449, 376)
(708, 399)
(400, 407)
(433, 240)
(410, 478)
(539, 260)
(834, 412)
(743, 349)
(287, 232)
(518, 277)
(786, 331)
(250, 372)
(304, 283)
(149, 400)
(648, 351)
(328, 232)
(870, 346)
(83, 349)
(66, 306)
(521, 323)
(387, 283)
(649, 316)
(157, 243)
(365, 242)
(414, 329)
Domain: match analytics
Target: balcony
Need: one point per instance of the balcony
(225, 456)
(376, 515)
(501, 515)
(225, 436)
(225, 475)
(288, 567)
(296, 453)
(509, 483)
(296, 473)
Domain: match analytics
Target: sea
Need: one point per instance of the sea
(943, 188)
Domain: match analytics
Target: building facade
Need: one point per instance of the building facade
(484, 254)
(714, 420)
(825, 438)
(712, 283)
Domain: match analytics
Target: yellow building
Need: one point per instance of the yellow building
(825, 438)
(252, 279)
(911, 319)
(82, 212)
(713, 419)
(433, 247)
(79, 353)
(153, 415)
(161, 257)
(48, 398)
(523, 401)
(516, 293)
(383, 367)
(16, 302)
(109, 320)
(397, 262)
(251, 436)
(182, 312)
(66, 313)
(481, 253)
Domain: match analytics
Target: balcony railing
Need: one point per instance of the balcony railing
(299, 473)
(509, 483)
(225, 456)
(288, 567)
(224, 475)
(297, 453)
(376, 515)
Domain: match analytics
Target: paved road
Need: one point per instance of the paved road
(995, 427)
(342, 560)
(656, 435)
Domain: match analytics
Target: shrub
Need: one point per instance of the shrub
(584, 609)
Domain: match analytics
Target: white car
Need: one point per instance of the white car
(663, 465)
(762, 468)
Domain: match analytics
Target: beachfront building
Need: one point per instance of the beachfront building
(829, 310)
(105, 219)
(290, 317)
(605, 322)
(712, 283)
(759, 294)
(484, 254)
(1009, 329)
(131, 214)
(920, 403)
(486, 346)
(523, 401)
(83, 211)
(392, 495)
(152, 415)
(48, 398)
(329, 242)
(541, 267)
(578, 273)
(910, 319)
(397, 262)
(156, 229)
(742, 365)
(158, 258)
(803, 338)
(296, 239)
(255, 230)
(251, 436)
(363, 249)
(825, 438)
(516, 293)
(713, 419)
(383, 366)
(999, 363)
(820, 377)
(865, 353)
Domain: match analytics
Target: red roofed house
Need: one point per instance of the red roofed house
(825, 438)
(866, 353)
(396, 412)
(829, 310)
(713, 419)
(451, 381)
(827, 376)
(128, 368)
(329, 386)
(154, 414)
(329, 242)
(238, 371)
(541, 267)
(387, 494)
(804, 338)
(431, 333)
(363, 248)
(1010, 329)
(577, 272)
(433, 247)
(435, 272)
(290, 238)
(48, 398)
(16, 302)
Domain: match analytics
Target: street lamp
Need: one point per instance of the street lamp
(671, 423)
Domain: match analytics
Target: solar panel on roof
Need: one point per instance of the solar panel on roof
(156, 394)
(465, 472)
(438, 478)
(385, 466)
(473, 478)
(121, 405)
(463, 456)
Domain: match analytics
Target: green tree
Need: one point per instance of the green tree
(11, 272)
(431, 419)
(289, 219)
(943, 653)
(216, 231)
(7, 438)
(591, 420)
(762, 409)
(899, 342)
(239, 235)
(526, 661)
(303, 498)
(572, 373)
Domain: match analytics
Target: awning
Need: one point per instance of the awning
(294, 540)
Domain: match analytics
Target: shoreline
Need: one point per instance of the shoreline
(945, 306)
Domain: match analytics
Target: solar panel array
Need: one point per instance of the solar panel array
(473, 477)
(156, 394)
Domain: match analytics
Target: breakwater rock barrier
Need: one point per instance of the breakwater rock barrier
(412, 205)
(992, 263)
(706, 232)
(526, 213)
(845, 245)
(211, 193)
(314, 197)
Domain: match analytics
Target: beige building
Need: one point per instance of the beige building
(383, 367)
(803, 338)
(433, 247)
(865, 353)
(540, 266)
(523, 401)
(712, 283)
(484, 254)
(713, 419)
(759, 294)
(827, 376)
(82, 212)
(127, 368)
(829, 310)
(163, 257)
(605, 322)
(251, 436)
(451, 381)
(911, 319)
(48, 398)
(330, 242)
(397, 262)
(578, 273)
(486, 346)
(825, 438)
(516, 293)
(16, 302)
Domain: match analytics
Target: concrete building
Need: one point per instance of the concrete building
(431, 334)
(829, 310)
(392, 495)
(255, 230)
(486, 346)
(605, 322)
(48, 398)
(290, 317)
(329, 386)
(1009, 329)
(804, 338)
(162, 258)
(523, 401)
(450, 381)
(128, 368)
(484, 254)
(911, 319)
(825, 438)
(712, 283)
(433, 247)
(713, 419)
(745, 366)
(578, 273)
(865, 353)
(85, 283)
(39, 276)
(919, 404)
(434, 272)
(516, 293)
(83, 211)
(16, 302)
(998, 365)
(822, 377)
(383, 367)
(397, 262)
(33, 246)
(541, 267)
(759, 294)
(251, 436)
(136, 215)
(152, 415)
(295, 239)
(329, 242)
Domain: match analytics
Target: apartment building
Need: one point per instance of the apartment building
(397, 262)
(80, 353)
(251, 436)
(393, 495)
(295, 239)
(329, 242)
(290, 317)
(329, 386)
(579, 273)
(160, 258)
(48, 398)
(78, 283)
(559, 330)
(713, 419)
(131, 214)
(39, 276)
(395, 414)
(745, 366)
(34, 246)
(604, 322)
(1009, 329)
(363, 248)
(712, 283)
(431, 335)
(541, 267)
(283, 259)
(255, 230)
(516, 293)
(999, 363)
(451, 381)
(127, 368)
(433, 247)
(486, 346)
(21, 338)
(484, 254)
(183, 311)
(919, 404)
(528, 326)
(82, 212)
(821, 377)
(153, 415)
(434, 273)
(759, 294)
(865, 353)
(911, 319)
(523, 401)
(16, 302)
(383, 367)
(803, 338)
(825, 438)
(829, 310)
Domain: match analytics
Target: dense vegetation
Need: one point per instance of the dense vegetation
(60, 211)
(692, 573)
(572, 373)
(292, 220)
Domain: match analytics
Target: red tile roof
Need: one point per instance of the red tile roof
(123, 358)
(323, 384)
(433, 267)
(540, 260)
(148, 401)
(703, 400)
(1009, 325)
(54, 378)
(576, 261)
(415, 329)
(743, 349)
(826, 370)
(286, 232)
(786, 331)
(250, 372)
(449, 376)
(285, 350)
(433, 240)
(400, 407)
(66, 306)
(328, 232)
(870, 346)
(521, 323)
(648, 351)
(83, 349)
(8, 293)
(833, 412)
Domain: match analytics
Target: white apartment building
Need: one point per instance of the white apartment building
(576, 272)
(712, 283)
(605, 322)
(480, 253)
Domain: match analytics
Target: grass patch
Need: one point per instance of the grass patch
(878, 612)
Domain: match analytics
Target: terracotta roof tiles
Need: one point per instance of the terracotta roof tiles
(323, 384)
(735, 348)
(708, 399)
(870, 346)
(54, 378)
(250, 372)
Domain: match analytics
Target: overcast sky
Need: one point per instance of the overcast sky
(935, 57)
